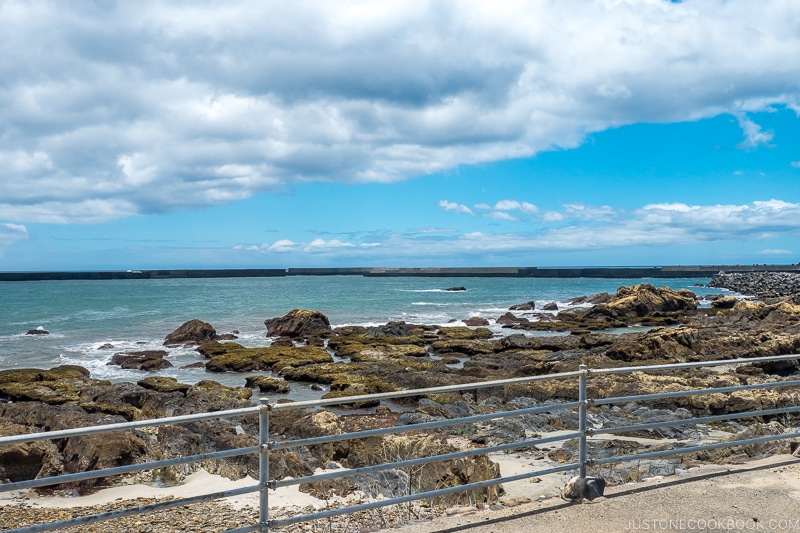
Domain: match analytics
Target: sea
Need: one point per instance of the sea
(88, 321)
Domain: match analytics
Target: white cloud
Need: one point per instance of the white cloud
(514, 205)
(796, 164)
(500, 215)
(113, 109)
(11, 233)
(452, 206)
(282, 245)
(773, 251)
(754, 136)
(321, 245)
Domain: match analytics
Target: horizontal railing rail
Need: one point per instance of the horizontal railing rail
(265, 445)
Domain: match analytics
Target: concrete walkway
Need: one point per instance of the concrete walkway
(762, 495)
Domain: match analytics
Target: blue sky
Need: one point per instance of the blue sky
(251, 134)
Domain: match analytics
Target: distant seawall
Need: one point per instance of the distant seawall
(679, 271)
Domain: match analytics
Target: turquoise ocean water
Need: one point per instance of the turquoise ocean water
(83, 316)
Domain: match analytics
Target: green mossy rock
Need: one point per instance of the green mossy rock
(464, 333)
(164, 384)
(267, 384)
(28, 375)
(233, 357)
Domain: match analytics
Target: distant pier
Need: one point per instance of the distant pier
(678, 271)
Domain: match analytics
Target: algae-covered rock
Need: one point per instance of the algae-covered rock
(646, 300)
(233, 357)
(191, 333)
(464, 333)
(147, 360)
(299, 323)
(164, 384)
(267, 384)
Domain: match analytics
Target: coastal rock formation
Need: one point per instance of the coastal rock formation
(233, 357)
(646, 300)
(267, 384)
(191, 333)
(764, 285)
(476, 321)
(299, 323)
(38, 331)
(455, 289)
(148, 360)
(527, 306)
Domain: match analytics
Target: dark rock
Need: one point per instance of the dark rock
(527, 306)
(106, 346)
(476, 321)
(148, 360)
(198, 364)
(508, 318)
(191, 333)
(761, 284)
(724, 302)
(37, 332)
(550, 306)
(299, 323)
(455, 289)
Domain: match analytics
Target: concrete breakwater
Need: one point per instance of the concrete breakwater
(677, 271)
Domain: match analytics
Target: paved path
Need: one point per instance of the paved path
(762, 495)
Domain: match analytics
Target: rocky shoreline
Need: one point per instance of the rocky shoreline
(348, 361)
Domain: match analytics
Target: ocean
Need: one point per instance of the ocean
(89, 321)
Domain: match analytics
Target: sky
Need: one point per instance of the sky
(251, 134)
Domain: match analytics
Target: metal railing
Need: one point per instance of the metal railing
(265, 446)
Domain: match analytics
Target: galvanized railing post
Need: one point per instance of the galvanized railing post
(263, 464)
(582, 419)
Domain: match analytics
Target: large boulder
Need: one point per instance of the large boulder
(299, 323)
(646, 300)
(191, 333)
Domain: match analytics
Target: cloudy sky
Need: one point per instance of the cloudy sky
(392, 133)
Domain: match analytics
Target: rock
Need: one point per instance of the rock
(476, 321)
(106, 346)
(233, 357)
(455, 289)
(645, 300)
(464, 333)
(148, 360)
(725, 302)
(761, 284)
(164, 384)
(267, 384)
(508, 318)
(527, 306)
(299, 323)
(191, 333)
(38, 331)
(550, 306)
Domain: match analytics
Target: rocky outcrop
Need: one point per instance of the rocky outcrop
(476, 321)
(233, 357)
(37, 332)
(267, 384)
(191, 333)
(646, 300)
(527, 306)
(147, 360)
(299, 323)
